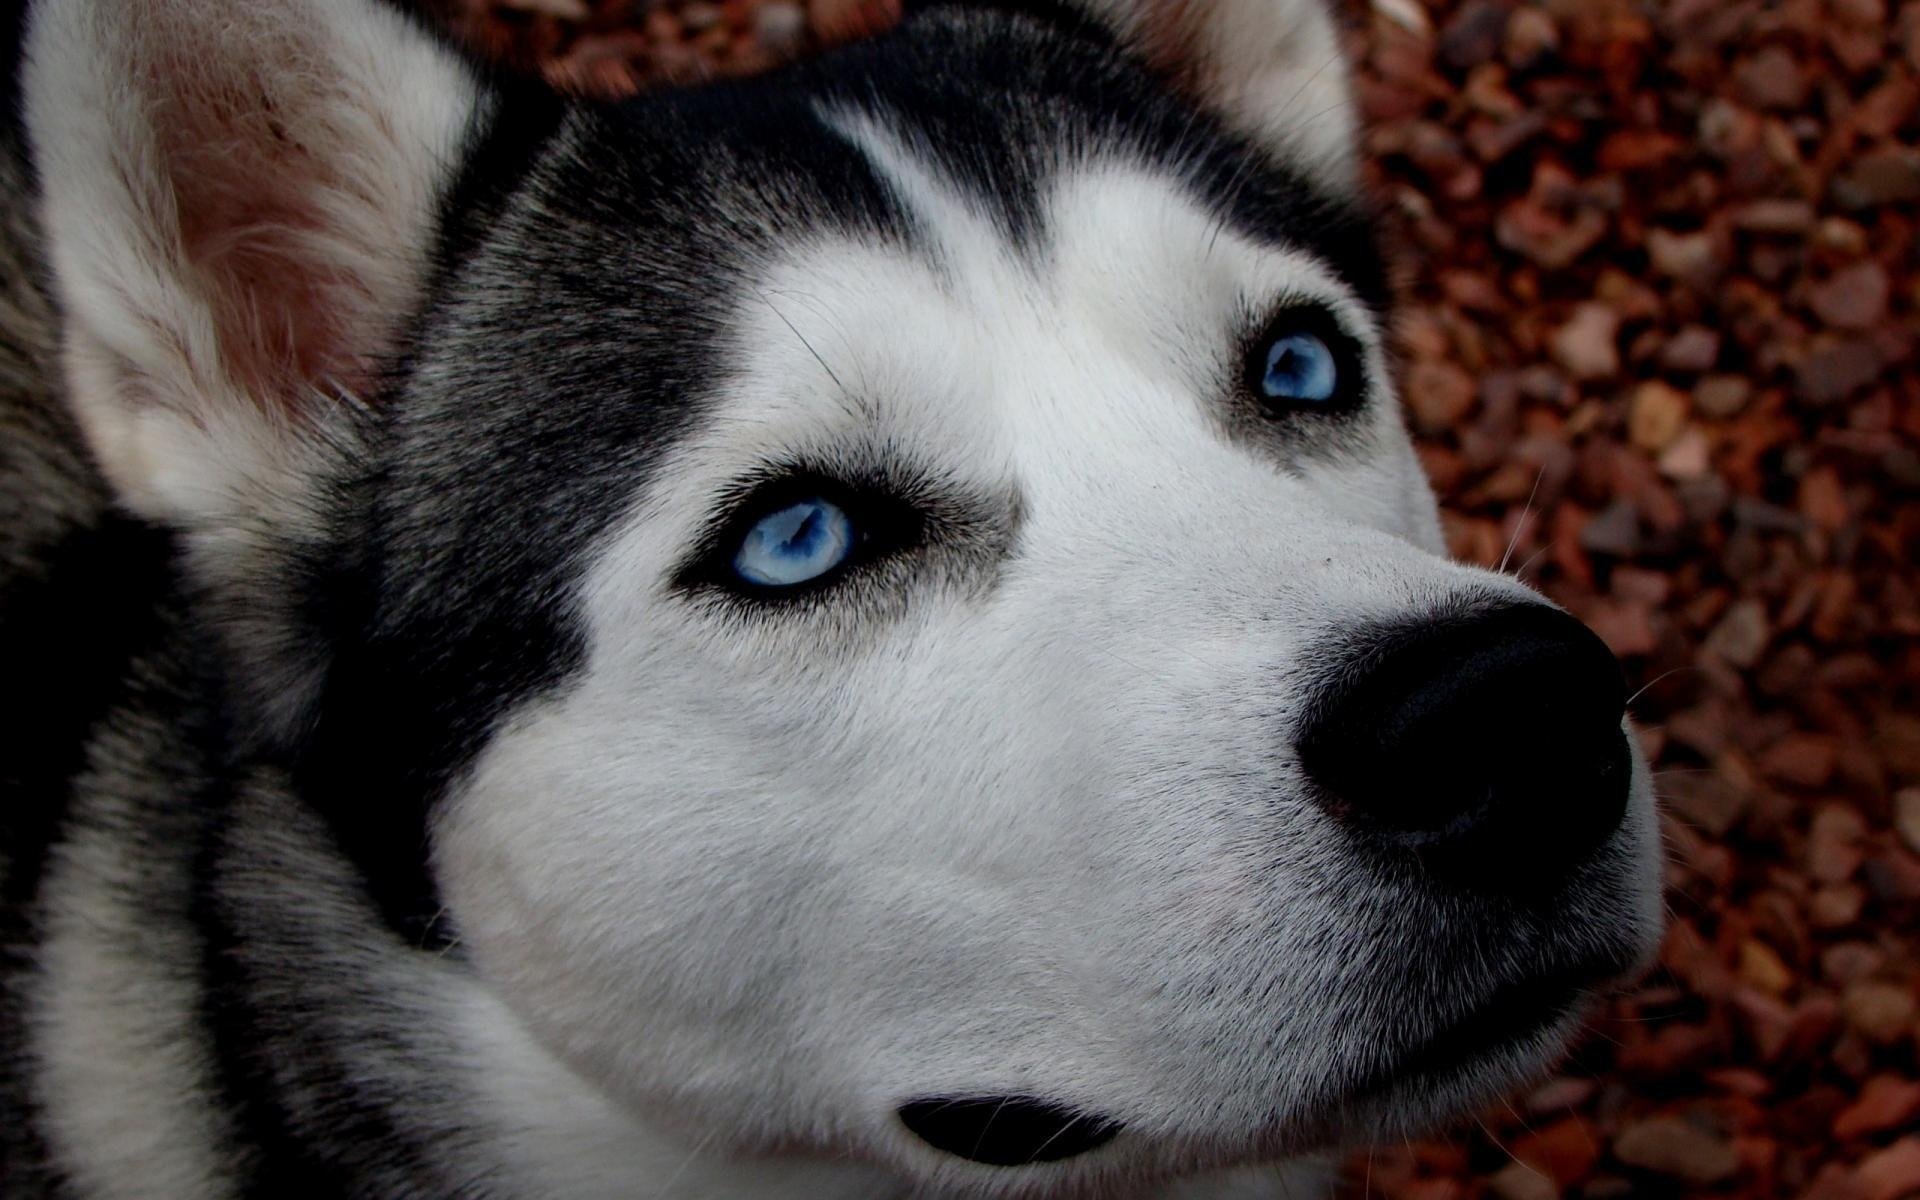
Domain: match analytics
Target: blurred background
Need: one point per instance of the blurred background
(1660, 307)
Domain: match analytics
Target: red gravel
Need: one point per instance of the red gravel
(1659, 334)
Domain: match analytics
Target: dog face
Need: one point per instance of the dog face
(896, 594)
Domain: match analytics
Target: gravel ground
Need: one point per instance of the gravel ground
(1660, 317)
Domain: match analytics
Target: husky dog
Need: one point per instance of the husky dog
(872, 631)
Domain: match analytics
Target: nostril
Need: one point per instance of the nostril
(1490, 743)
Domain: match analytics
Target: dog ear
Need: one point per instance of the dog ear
(239, 200)
(1274, 70)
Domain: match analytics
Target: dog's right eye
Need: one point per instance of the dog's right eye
(795, 544)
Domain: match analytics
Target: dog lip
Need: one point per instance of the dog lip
(1006, 1131)
(1513, 1014)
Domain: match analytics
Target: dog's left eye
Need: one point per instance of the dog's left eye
(795, 544)
(1299, 367)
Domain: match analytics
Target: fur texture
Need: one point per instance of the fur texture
(414, 807)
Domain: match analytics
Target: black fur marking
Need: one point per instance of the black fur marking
(578, 330)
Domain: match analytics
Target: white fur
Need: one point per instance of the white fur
(697, 878)
(113, 1002)
(172, 374)
(1273, 68)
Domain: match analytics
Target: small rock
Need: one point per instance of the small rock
(1896, 735)
(1847, 963)
(1886, 1102)
(1656, 415)
(1529, 228)
(1774, 216)
(1882, 1012)
(1706, 801)
(1721, 396)
(1614, 530)
(1473, 35)
(1407, 14)
(1518, 1181)
(1893, 876)
(1760, 966)
(1771, 78)
(1586, 345)
(1854, 298)
(1558, 1095)
(1890, 175)
(1694, 348)
(1439, 393)
(1906, 817)
(1836, 906)
(1565, 1151)
(1690, 457)
(1835, 842)
(1741, 636)
(1806, 760)
(1836, 369)
(1693, 258)
(1531, 36)
(1676, 1148)
(781, 27)
(1890, 1174)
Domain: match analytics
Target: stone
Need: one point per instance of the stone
(1761, 966)
(1906, 817)
(1614, 530)
(1890, 175)
(1695, 348)
(1771, 78)
(1836, 906)
(780, 26)
(1531, 36)
(1852, 298)
(1678, 1149)
(1835, 843)
(1586, 346)
(1721, 396)
(1474, 34)
(1882, 1012)
(1518, 1181)
(1741, 634)
(1439, 394)
(1835, 369)
(1890, 1174)
(1656, 415)
(1775, 216)
(1689, 458)
(1694, 258)
(1886, 1102)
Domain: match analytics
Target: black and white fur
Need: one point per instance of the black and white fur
(395, 809)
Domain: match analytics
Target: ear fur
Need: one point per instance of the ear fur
(1274, 70)
(239, 200)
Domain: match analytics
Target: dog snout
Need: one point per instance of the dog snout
(1489, 745)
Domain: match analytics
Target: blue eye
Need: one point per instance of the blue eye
(1300, 367)
(795, 544)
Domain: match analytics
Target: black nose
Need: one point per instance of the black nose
(1489, 745)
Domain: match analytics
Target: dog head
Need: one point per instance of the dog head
(888, 608)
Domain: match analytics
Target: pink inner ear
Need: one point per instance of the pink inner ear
(265, 216)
